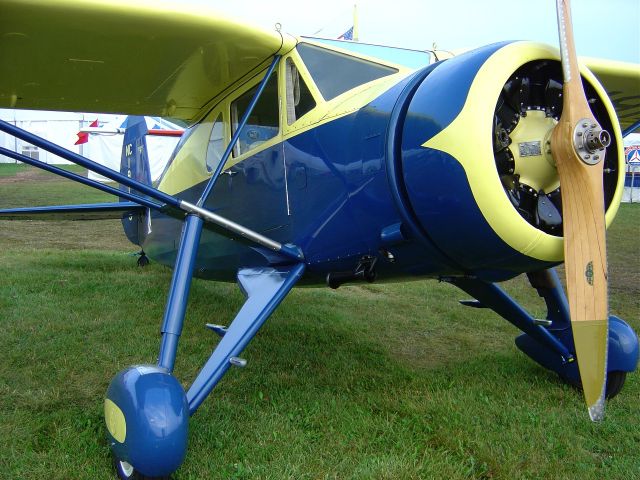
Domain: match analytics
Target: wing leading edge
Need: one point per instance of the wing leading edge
(143, 57)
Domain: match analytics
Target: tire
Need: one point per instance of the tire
(124, 471)
(143, 261)
(615, 382)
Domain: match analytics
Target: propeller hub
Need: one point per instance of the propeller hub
(590, 141)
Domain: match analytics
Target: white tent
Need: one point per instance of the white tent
(106, 148)
(62, 128)
(57, 127)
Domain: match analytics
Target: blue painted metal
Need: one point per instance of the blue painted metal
(441, 97)
(394, 165)
(80, 179)
(392, 235)
(85, 162)
(91, 211)
(234, 139)
(623, 341)
(434, 188)
(631, 129)
(338, 188)
(179, 291)
(265, 288)
(157, 419)
(134, 163)
(292, 251)
(344, 180)
(550, 289)
(622, 352)
(219, 330)
(493, 297)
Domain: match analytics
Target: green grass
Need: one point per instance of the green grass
(18, 169)
(369, 381)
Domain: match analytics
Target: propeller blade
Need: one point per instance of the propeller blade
(578, 146)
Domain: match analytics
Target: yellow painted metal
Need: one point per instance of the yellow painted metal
(311, 117)
(536, 171)
(142, 57)
(188, 168)
(475, 153)
(116, 423)
(622, 82)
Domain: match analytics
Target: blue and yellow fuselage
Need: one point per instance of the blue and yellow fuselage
(401, 170)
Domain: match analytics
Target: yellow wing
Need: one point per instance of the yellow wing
(622, 82)
(133, 56)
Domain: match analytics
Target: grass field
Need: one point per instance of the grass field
(369, 381)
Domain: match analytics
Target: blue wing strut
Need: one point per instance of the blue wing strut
(78, 178)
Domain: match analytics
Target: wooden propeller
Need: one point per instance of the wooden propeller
(578, 147)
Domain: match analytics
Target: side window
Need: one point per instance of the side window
(299, 98)
(263, 121)
(183, 139)
(216, 145)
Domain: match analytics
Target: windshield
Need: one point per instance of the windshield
(335, 73)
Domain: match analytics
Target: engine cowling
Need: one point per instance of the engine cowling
(470, 157)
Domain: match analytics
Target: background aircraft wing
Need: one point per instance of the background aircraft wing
(622, 82)
(137, 57)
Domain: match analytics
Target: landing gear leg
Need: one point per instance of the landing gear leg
(146, 408)
(549, 342)
(623, 341)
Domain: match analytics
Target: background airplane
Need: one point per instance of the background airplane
(382, 172)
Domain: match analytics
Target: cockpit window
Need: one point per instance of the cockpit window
(299, 98)
(216, 145)
(263, 123)
(335, 73)
(183, 139)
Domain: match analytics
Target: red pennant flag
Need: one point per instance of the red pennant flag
(83, 137)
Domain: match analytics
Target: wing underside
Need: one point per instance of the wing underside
(114, 56)
(622, 82)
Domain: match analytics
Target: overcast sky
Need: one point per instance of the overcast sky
(604, 28)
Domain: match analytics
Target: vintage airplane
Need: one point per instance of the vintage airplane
(316, 162)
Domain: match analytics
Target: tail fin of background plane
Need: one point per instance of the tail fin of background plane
(134, 163)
